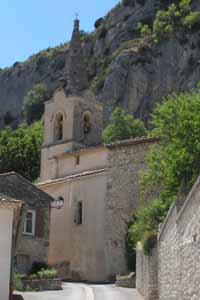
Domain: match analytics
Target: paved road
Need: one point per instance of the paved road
(76, 291)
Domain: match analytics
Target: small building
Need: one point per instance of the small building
(10, 211)
(32, 242)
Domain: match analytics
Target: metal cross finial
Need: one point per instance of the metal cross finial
(76, 16)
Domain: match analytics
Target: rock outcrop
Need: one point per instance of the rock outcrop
(121, 69)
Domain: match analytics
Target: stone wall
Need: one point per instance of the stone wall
(147, 274)
(30, 249)
(178, 253)
(125, 162)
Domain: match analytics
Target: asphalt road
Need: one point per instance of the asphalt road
(76, 291)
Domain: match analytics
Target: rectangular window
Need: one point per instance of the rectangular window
(80, 213)
(77, 160)
(29, 223)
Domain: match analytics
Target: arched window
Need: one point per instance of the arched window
(58, 127)
(87, 124)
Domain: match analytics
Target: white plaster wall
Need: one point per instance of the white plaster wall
(89, 160)
(83, 246)
(6, 223)
(93, 159)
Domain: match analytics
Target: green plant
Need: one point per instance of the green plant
(33, 107)
(17, 282)
(38, 266)
(122, 126)
(149, 242)
(47, 274)
(130, 251)
(32, 276)
(170, 22)
(144, 29)
(172, 165)
(20, 150)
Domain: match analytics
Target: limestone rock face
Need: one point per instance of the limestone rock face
(141, 76)
(119, 70)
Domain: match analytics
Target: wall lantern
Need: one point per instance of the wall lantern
(58, 203)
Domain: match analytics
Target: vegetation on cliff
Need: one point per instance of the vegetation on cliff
(123, 126)
(177, 18)
(173, 164)
(33, 107)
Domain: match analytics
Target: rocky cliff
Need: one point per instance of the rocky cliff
(121, 68)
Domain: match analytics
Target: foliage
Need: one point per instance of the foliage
(17, 282)
(33, 107)
(20, 150)
(122, 126)
(173, 165)
(47, 273)
(37, 266)
(146, 220)
(130, 251)
(144, 29)
(170, 22)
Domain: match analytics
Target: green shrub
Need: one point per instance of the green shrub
(170, 22)
(144, 29)
(149, 242)
(20, 150)
(33, 107)
(37, 266)
(17, 282)
(172, 165)
(122, 126)
(47, 274)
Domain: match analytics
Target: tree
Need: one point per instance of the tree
(33, 107)
(20, 150)
(123, 126)
(174, 164)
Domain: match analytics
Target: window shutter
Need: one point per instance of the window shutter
(39, 230)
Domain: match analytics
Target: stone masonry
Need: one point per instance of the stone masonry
(178, 258)
(125, 162)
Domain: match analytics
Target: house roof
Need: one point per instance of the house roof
(8, 201)
(14, 186)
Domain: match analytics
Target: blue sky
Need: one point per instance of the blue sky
(28, 26)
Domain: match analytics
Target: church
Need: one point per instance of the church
(98, 183)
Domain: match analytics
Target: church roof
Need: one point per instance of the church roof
(124, 143)
(135, 141)
(14, 186)
(75, 176)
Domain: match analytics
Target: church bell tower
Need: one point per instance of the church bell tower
(73, 117)
(76, 70)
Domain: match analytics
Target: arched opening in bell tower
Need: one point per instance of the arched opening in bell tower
(58, 127)
(87, 122)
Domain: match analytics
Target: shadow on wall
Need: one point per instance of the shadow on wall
(17, 297)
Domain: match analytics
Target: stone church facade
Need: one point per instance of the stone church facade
(99, 183)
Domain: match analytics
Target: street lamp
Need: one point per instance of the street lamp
(58, 203)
